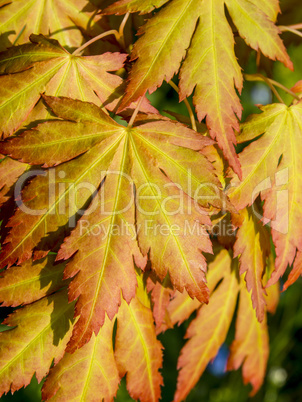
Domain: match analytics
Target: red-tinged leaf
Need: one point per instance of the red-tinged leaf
(45, 66)
(52, 143)
(214, 154)
(260, 159)
(54, 196)
(161, 294)
(218, 267)
(295, 273)
(62, 20)
(31, 281)
(10, 170)
(297, 88)
(89, 374)
(162, 215)
(173, 251)
(179, 309)
(272, 292)
(133, 6)
(269, 7)
(171, 179)
(258, 30)
(277, 180)
(138, 352)
(82, 77)
(203, 29)
(41, 332)
(165, 39)
(253, 246)
(215, 97)
(107, 269)
(182, 305)
(251, 345)
(206, 333)
(155, 159)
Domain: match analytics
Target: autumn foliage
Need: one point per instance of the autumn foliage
(119, 222)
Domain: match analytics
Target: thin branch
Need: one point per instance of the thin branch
(188, 106)
(296, 26)
(136, 110)
(290, 29)
(274, 90)
(102, 35)
(260, 77)
(269, 81)
(119, 35)
(121, 38)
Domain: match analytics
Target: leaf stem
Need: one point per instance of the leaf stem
(271, 83)
(136, 110)
(121, 38)
(295, 26)
(188, 106)
(102, 35)
(291, 29)
(119, 35)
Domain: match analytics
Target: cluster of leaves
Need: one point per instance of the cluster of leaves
(108, 229)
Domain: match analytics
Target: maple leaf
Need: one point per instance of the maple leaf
(182, 305)
(45, 66)
(271, 7)
(106, 230)
(295, 272)
(137, 351)
(95, 361)
(161, 294)
(41, 332)
(31, 281)
(276, 178)
(62, 20)
(132, 6)
(206, 333)
(10, 170)
(154, 156)
(251, 345)
(272, 292)
(202, 28)
(297, 88)
(252, 246)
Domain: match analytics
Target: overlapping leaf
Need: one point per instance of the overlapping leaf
(107, 198)
(251, 345)
(10, 170)
(295, 272)
(41, 332)
(151, 156)
(137, 351)
(98, 379)
(182, 305)
(45, 66)
(62, 20)
(31, 281)
(272, 292)
(206, 333)
(271, 166)
(161, 294)
(125, 6)
(253, 246)
(210, 65)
